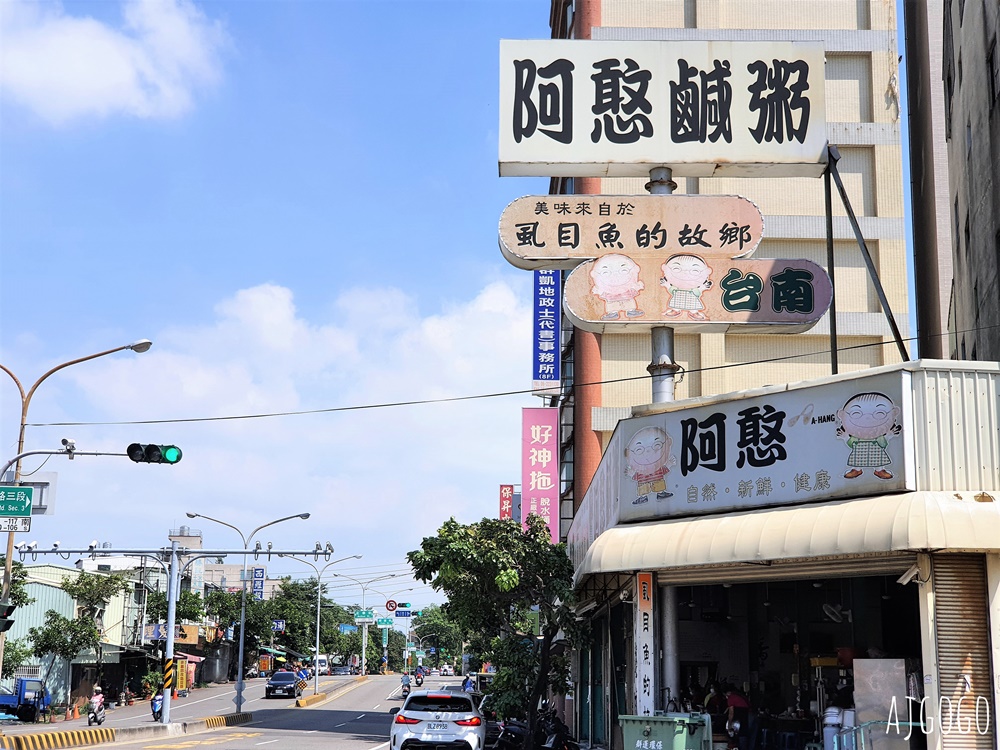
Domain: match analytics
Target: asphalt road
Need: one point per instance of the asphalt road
(357, 719)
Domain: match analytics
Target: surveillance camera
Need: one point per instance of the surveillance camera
(21, 546)
(69, 444)
(33, 546)
(269, 545)
(912, 572)
(55, 545)
(92, 545)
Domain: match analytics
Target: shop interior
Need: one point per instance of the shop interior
(793, 651)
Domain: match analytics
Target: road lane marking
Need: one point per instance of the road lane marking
(337, 726)
(266, 742)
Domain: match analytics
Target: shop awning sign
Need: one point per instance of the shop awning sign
(583, 108)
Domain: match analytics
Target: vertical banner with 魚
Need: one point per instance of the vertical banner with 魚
(644, 675)
(545, 338)
(540, 466)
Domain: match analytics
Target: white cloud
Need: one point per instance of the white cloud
(375, 480)
(64, 67)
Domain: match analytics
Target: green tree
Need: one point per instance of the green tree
(60, 636)
(18, 593)
(495, 572)
(190, 606)
(436, 628)
(92, 592)
(16, 652)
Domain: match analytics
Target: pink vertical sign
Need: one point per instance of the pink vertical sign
(540, 466)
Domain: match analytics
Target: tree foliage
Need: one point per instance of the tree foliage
(190, 606)
(16, 652)
(63, 637)
(18, 595)
(495, 572)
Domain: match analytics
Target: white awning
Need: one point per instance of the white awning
(909, 521)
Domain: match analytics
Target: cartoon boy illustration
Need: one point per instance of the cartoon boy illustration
(648, 461)
(868, 420)
(616, 281)
(686, 279)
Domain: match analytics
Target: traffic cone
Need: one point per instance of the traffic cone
(76, 711)
(69, 713)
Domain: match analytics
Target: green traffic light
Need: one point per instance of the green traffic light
(154, 454)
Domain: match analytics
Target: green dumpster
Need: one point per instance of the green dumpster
(667, 732)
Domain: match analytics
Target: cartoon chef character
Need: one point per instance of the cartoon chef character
(686, 279)
(616, 282)
(648, 461)
(867, 421)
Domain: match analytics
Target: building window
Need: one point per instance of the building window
(993, 73)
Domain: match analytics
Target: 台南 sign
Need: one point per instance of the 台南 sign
(15, 502)
(562, 231)
(698, 293)
(843, 439)
(581, 108)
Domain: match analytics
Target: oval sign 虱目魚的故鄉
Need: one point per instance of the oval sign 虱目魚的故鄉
(562, 231)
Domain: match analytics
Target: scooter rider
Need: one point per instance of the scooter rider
(405, 681)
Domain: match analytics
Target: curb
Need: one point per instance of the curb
(65, 738)
(308, 700)
(101, 735)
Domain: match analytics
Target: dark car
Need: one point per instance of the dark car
(283, 683)
(341, 670)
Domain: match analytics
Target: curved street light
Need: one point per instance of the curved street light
(319, 599)
(364, 627)
(243, 598)
(142, 345)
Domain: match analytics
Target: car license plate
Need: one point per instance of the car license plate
(437, 725)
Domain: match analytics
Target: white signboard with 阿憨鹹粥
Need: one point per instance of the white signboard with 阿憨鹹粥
(583, 108)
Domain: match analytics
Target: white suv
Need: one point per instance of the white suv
(437, 719)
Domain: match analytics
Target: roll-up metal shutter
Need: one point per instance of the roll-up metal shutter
(846, 566)
(963, 647)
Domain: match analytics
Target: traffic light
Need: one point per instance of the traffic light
(154, 454)
(6, 610)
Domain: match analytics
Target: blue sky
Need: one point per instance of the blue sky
(297, 202)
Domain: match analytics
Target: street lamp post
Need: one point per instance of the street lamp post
(364, 627)
(319, 598)
(243, 599)
(142, 345)
(385, 648)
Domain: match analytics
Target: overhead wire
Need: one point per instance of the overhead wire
(475, 397)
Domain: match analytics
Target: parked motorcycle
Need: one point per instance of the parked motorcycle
(96, 713)
(157, 706)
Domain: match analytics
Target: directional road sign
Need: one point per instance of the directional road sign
(390, 606)
(15, 502)
(402, 613)
(384, 622)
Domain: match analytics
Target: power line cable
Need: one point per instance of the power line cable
(476, 397)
